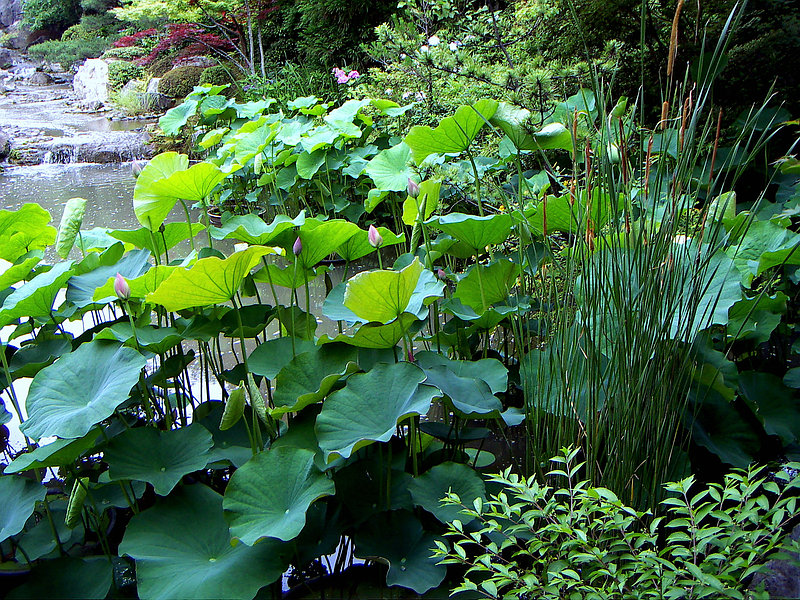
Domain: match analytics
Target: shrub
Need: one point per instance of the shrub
(220, 75)
(536, 541)
(161, 65)
(76, 32)
(147, 38)
(121, 72)
(69, 51)
(50, 14)
(178, 82)
(124, 53)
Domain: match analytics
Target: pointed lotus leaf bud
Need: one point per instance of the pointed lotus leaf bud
(413, 188)
(298, 246)
(121, 287)
(375, 239)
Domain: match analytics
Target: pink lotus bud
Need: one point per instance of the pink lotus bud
(121, 287)
(413, 188)
(375, 239)
(298, 246)
(441, 274)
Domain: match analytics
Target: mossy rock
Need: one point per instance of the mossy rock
(180, 81)
(220, 75)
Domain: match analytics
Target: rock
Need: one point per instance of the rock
(39, 78)
(157, 102)
(91, 81)
(782, 580)
(10, 12)
(6, 58)
(98, 148)
(5, 145)
(152, 85)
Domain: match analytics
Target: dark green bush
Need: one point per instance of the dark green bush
(220, 75)
(50, 14)
(77, 32)
(70, 51)
(127, 53)
(160, 66)
(121, 72)
(178, 82)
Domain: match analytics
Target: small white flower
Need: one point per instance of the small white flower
(434, 40)
(423, 49)
(388, 91)
(420, 95)
(402, 56)
(454, 46)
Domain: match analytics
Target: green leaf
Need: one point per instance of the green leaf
(428, 198)
(140, 286)
(309, 163)
(35, 298)
(454, 134)
(756, 318)
(11, 274)
(161, 458)
(428, 489)
(321, 239)
(370, 406)
(209, 281)
(71, 220)
(358, 246)
(54, 454)
(775, 405)
(470, 396)
(183, 549)
(390, 169)
(175, 118)
(399, 538)
(490, 370)
(302, 326)
(476, 232)
(65, 578)
(81, 289)
(23, 230)
(483, 286)
(720, 428)
(269, 495)
(150, 207)
(18, 498)
(173, 234)
(193, 184)
(269, 358)
(766, 244)
(376, 335)
(515, 123)
(80, 389)
(157, 340)
(234, 409)
(252, 229)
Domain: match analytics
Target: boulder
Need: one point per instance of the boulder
(5, 145)
(782, 579)
(156, 102)
(90, 83)
(10, 12)
(39, 78)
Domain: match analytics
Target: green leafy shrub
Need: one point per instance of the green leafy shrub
(160, 66)
(546, 542)
(121, 72)
(178, 82)
(50, 14)
(70, 51)
(220, 75)
(76, 32)
(127, 53)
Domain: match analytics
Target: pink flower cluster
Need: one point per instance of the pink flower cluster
(343, 77)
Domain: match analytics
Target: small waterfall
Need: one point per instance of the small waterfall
(97, 147)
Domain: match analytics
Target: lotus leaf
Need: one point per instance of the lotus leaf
(476, 232)
(390, 169)
(23, 230)
(66, 578)
(55, 454)
(428, 489)
(150, 207)
(159, 242)
(253, 230)
(35, 298)
(18, 498)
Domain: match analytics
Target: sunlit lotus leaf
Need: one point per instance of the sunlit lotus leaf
(151, 207)
(398, 537)
(55, 454)
(382, 295)
(23, 230)
(81, 389)
(96, 238)
(250, 144)
(173, 234)
(193, 184)
(161, 458)
(12, 273)
(209, 281)
(293, 129)
(333, 307)
(252, 229)
(476, 232)
(428, 198)
(71, 220)
(309, 163)
(269, 495)
(484, 285)
(269, 358)
(341, 119)
(310, 376)
(319, 137)
(35, 298)
(515, 123)
(390, 108)
(213, 137)
(453, 134)
(67, 578)
(370, 406)
(140, 286)
(428, 489)
(287, 277)
(376, 335)
(470, 396)
(321, 239)
(183, 549)
(18, 498)
(390, 169)
(358, 246)
(175, 118)
(248, 110)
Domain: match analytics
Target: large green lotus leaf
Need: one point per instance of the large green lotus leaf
(370, 406)
(398, 537)
(81, 389)
(95, 239)
(342, 118)
(428, 489)
(486, 321)
(150, 207)
(12, 273)
(381, 295)
(38, 354)
(38, 540)
(454, 134)
(270, 494)
(515, 123)
(231, 445)
(476, 232)
(252, 229)
(158, 457)
(287, 277)
(358, 246)
(765, 245)
(18, 498)
(756, 318)
(293, 129)
(175, 118)
(390, 169)
(428, 198)
(55, 454)
(71, 220)
(302, 325)
(720, 428)
(193, 184)
(209, 281)
(309, 163)
(269, 358)
(376, 335)
(490, 370)
(470, 396)
(321, 239)
(774, 404)
(173, 234)
(183, 549)
(23, 230)
(81, 289)
(65, 578)
(35, 298)
(140, 286)
(720, 291)
(483, 286)
(148, 337)
(333, 307)
(310, 376)
(249, 144)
